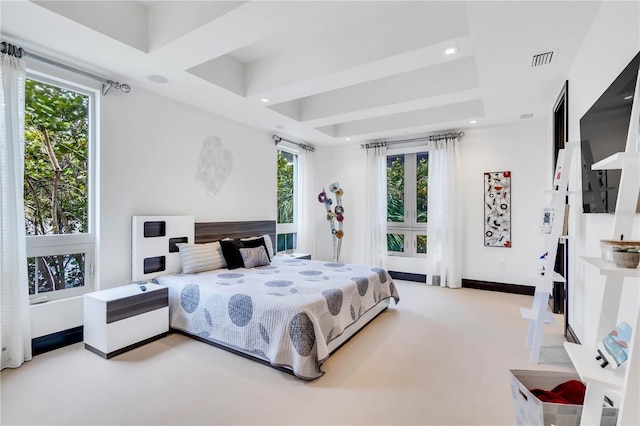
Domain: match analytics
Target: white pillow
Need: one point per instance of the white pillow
(201, 257)
(267, 241)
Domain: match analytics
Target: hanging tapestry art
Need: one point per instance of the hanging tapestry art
(497, 209)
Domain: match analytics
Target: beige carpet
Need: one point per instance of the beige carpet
(441, 357)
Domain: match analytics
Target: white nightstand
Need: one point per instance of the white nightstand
(122, 318)
(303, 256)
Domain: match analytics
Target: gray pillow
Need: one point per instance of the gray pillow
(201, 257)
(254, 256)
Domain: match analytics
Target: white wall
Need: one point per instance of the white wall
(345, 165)
(523, 148)
(613, 40)
(149, 157)
(149, 153)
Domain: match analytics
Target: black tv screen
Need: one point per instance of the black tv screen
(603, 132)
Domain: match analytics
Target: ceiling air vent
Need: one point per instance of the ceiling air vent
(541, 59)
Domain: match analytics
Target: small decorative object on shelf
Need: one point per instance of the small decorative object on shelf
(547, 220)
(625, 254)
(332, 216)
(614, 349)
(543, 258)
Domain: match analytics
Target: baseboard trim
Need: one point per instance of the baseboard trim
(406, 276)
(570, 335)
(526, 290)
(58, 340)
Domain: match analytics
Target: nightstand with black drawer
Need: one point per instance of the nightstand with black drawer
(122, 318)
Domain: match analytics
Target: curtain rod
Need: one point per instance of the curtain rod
(19, 52)
(279, 139)
(431, 138)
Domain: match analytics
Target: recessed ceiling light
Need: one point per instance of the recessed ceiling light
(473, 122)
(347, 139)
(451, 50)
(628, 97)
(265, 100)
(157, 78)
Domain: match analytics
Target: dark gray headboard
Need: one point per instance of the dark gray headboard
(206, 232)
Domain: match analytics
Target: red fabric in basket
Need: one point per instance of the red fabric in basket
(571, 392)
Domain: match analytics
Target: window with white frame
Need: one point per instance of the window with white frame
(59, 184)
(407, 198)
(286, 226)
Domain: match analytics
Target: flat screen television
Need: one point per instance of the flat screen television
(603, 132)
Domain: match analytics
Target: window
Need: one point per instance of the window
(407, 200)
(286, 226)
(58, 194)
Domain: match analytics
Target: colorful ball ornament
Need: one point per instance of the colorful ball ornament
(339, 234)
(328, 201)
(339, 210)
(339, 192)
(330, 216)
(339, 218)
(322, 197)
(334, 187)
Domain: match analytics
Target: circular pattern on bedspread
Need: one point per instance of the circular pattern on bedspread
(363, 284)
(292, 261)
(240, 309)
(264, 333)
(207, 316)
(334, 265)
(310, 273)
(230, 275)
(302, 335)
(190, 297)
(381, 273)
(334, 300)
(278, 283)
(392, 288)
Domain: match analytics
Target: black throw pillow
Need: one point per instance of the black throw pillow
(231, 251)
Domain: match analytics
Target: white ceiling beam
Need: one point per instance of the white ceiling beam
(445, 78)
(410, 119)
(407, 29)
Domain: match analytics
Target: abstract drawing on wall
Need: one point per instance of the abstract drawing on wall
(214, 165)
(497, 209)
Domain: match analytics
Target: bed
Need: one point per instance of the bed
(289, 313)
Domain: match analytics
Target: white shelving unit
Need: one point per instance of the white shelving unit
(626, 378)
(538, 315)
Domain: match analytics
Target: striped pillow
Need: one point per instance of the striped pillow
(201, 257)
(267, 242)
(254, 256)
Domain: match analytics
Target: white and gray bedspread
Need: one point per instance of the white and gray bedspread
(284, 313)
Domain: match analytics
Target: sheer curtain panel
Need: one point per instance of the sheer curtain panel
(15, 326)
(376, 211)
(306, 201)
(444, 246)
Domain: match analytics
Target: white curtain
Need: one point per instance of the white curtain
(15, 324)
(444, 246)
(306, 202)
(376, 207)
